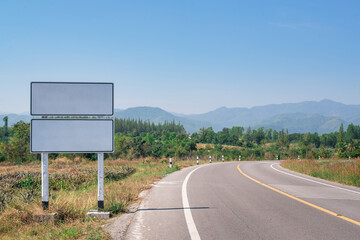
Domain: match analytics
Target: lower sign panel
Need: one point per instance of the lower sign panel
(72, 135)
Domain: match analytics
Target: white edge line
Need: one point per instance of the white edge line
(310, 180)
(194, 234)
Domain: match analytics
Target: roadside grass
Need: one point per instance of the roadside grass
(341, 171)
(73, 192)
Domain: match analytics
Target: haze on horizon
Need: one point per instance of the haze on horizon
(184, 57)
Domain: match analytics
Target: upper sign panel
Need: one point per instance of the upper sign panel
(65, 98)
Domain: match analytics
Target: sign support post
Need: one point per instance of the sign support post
(44, 181)
(100, 181)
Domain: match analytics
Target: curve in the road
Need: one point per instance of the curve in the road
(298, 199)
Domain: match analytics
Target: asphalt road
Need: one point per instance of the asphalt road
(256, 200)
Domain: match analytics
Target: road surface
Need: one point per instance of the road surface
(247, 200)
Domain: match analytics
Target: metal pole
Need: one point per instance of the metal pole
(100, 181)
(44, 181)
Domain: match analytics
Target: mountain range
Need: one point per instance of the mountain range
(310, 116)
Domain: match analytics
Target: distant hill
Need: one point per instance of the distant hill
(250, 115)
(322, 117)
(301, 123)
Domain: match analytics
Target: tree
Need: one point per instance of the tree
(248, 136)
(352, 132)
(341, 134)
(268, 134)
(237, 131)
(315, 139)
(328, 140)
(275, 135)
(259, 135)
(283, 139)
(5, 119)
(20, 142)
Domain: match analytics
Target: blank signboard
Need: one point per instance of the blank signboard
(72, 135)
(66, 98)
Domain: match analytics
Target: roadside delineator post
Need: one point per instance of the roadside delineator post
(197, 160)
(277, 157)
(222, 156)
(209, 159)
(170, 162)
(239, 158)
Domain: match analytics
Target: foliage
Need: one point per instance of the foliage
(140, 139)
(133, 127)
(20, 143)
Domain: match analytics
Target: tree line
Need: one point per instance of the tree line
(135, 138)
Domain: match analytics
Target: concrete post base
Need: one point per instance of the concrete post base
(45, 218)
(98, 215)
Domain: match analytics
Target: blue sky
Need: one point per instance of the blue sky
(184, 56)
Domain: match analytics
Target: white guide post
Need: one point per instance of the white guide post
(100, 181)
(170, 162)
(197, 160)
(44, 181)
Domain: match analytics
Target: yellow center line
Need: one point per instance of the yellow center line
(299, 200)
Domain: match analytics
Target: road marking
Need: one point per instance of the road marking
(299, 200)
(194, 234)
(310, 180)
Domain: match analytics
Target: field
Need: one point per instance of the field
(73, 191)
(341, 171)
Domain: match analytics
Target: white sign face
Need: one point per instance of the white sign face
(72, 135)
(90, 99)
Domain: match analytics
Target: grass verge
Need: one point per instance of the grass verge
(341, 171)
(73, 191)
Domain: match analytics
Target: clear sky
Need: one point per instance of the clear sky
(184, 56)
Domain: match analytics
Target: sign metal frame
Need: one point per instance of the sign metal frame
(72, 117)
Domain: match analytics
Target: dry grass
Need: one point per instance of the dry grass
(341, 171)
(71, 204)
